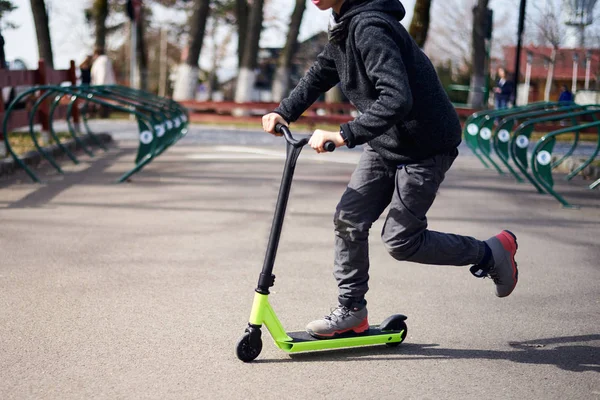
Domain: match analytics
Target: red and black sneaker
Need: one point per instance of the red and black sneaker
(502, 268)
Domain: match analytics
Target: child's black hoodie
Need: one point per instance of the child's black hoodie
(405, 112)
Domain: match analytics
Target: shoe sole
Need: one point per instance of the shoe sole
(357, 330)
(508, 246)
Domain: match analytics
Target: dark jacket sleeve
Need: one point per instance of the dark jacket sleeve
(321, 77)
(376, 42)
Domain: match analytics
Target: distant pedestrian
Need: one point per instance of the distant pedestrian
(102, 69)
(102, 73)
(503, 91)
(86, 71)
(565, 95)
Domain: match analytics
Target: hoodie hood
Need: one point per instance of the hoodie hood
(338, 24)
(354, 7)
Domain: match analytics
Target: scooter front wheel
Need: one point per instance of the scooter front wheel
(246, 349)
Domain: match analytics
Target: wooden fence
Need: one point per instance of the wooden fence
(41, 76)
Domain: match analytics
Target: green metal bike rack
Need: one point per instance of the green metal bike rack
(33, 112)
(179, 117)
(74, 132)
(161, 122)
(519, 143)
(159, 110)
(66, 91)
(65, 149)
(541, 159)
(503, 133)
(173, 124)
(484, 120)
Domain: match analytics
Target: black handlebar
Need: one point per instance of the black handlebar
(280, 128)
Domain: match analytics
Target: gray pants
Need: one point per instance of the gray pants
(409, 190)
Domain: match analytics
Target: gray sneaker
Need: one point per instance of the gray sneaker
(503, 269)
(342, 320)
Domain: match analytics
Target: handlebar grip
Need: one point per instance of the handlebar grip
(278, 128)
(329, 146)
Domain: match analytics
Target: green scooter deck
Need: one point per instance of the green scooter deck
(302, 341)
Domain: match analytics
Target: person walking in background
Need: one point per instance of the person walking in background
(102, 70)
(503, 91)
(566, 95)
(102, 73)
(86, 71)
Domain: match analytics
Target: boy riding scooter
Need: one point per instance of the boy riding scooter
(410, 133)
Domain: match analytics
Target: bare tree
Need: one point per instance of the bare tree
(282, 76)
(5, 8)
(419, 26)
(187, 74)
(99, 13)
(141, 49)
(241, 15)
(550, 31)
(480, 53)
(247, 75)
(220, 33)
(42, 29)
(450, 33)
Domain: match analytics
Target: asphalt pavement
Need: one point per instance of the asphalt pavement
(141, 290)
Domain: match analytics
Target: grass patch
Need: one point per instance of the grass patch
(118, 115)
(21, 142)
(567, 137)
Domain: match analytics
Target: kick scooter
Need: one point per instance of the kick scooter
(391, 332)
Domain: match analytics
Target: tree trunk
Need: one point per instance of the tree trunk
(100, 10)
(142, 52)
(419, 26)
(241, 14)
(187, 74)
(247, 76)
(282, 75)
(550, 77)
(2, 54)
(42, 30)
(480, 15)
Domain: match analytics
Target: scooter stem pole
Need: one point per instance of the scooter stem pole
(266, 277)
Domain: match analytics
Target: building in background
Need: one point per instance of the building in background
(268, 58)
(577, 67)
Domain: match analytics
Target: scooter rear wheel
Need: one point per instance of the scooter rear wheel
(246, 350)
(397, 325)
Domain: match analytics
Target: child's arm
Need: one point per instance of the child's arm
(321, 77)
(382, 58)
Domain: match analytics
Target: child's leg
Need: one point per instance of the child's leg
(405, 231)
(368, 194)
(407, 238)
(366, 197)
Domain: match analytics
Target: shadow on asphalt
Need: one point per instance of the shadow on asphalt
(51, 187)
(566, 353)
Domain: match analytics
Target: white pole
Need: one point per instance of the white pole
(588, 67)
(574, 85)
(550, 76)
(162, 80)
